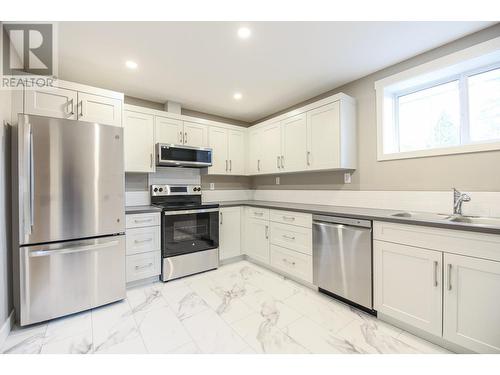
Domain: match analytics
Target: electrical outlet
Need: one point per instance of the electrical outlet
(347, 178)
(277, 180)
(212, 186)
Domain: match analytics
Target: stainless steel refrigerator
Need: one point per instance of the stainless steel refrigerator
(68, 217)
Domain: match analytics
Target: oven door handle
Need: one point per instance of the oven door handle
(186, 212)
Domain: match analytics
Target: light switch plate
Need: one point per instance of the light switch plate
(347, 178)
(212, 186)
(277, 180)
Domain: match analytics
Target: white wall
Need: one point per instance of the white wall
(5, 207)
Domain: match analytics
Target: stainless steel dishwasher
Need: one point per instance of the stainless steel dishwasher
(342, 259)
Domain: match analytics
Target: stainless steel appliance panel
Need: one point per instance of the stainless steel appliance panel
(183, 156)
(64, 278)
(342, 258)
(189, 264)
(71, 179)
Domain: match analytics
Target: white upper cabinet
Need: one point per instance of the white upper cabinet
(167, 130)
(228, 147)
(75, 102)
(408, 284)
(472, 303)
(319, 136)
(294, 144)
(51, 102)
(218, 141)
(270, 141)
(237, 152)
(195, 135)
(96, 108)
(139, 142)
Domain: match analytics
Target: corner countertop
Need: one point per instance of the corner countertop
(361, 213)
(141, 209)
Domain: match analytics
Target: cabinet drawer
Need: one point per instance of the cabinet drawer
(292, 237)
(293, 218)
(143, 240)
(142, 266)
(142, 220)
(258, 213)
(292, 262)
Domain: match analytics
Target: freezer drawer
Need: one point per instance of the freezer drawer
(63, 278)
(342, 258)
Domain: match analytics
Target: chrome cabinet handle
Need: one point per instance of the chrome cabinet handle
(258, 165)
(180, 137)
(151, 160)
(278, 161)
(267, 232)
(282, 162)
(143, 241)
(289, 237)
(288, 262)
(144, 266)
(258, 213)
(81, 108)
(308, 155)
(221, 218)
(72, 112)
(226, 165)
(185, 137)
(230, 165)
(435, 273)
(74, 249)
(291, 218)
(449, 276)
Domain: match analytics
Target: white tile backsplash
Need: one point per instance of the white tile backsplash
(227, 195)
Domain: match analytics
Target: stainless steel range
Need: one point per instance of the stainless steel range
(189, 230)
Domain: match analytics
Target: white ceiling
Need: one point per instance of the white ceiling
(201, 64)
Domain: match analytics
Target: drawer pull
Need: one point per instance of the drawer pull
(143, 220)
(291, 218)
(142, 241)
(288, 262)
(292, 238)
(259, 213)
(144, 266)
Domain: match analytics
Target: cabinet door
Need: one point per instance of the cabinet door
(294, 143)
(139, 142)
(195, 135)
(257, 239)
(229, 232)
(95, 108)
(218, 139)
(407, 285)
(472, 303)
(237, 152)
(255, 151)
(168, 130)
(51, 102)
(323, 137)
(271, 148)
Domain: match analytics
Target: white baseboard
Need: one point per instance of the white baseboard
(6, 327)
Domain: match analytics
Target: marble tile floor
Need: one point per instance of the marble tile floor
(239, 308)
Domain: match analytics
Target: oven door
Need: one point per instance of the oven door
(189, 231)
(183, 156)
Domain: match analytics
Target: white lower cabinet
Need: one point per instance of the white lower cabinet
(408, 285)
(143, 246)
(229, 232)
(257, 239)
(472, 303)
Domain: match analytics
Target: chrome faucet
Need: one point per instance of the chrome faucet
(458, 199)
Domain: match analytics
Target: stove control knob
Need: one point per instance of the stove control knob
(160, 189)
(155, 190)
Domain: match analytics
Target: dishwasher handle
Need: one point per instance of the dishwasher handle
(342, 220)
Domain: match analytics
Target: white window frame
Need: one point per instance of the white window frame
(457, 66)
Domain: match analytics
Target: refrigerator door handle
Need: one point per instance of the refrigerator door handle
(74, 249)
(32, 182)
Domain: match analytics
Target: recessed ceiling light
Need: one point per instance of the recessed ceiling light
(131, 64)
(244, 32)
(237, 96)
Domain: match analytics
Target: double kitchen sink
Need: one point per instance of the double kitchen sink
(473, 220)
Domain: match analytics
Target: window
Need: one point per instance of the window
(450, 105)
